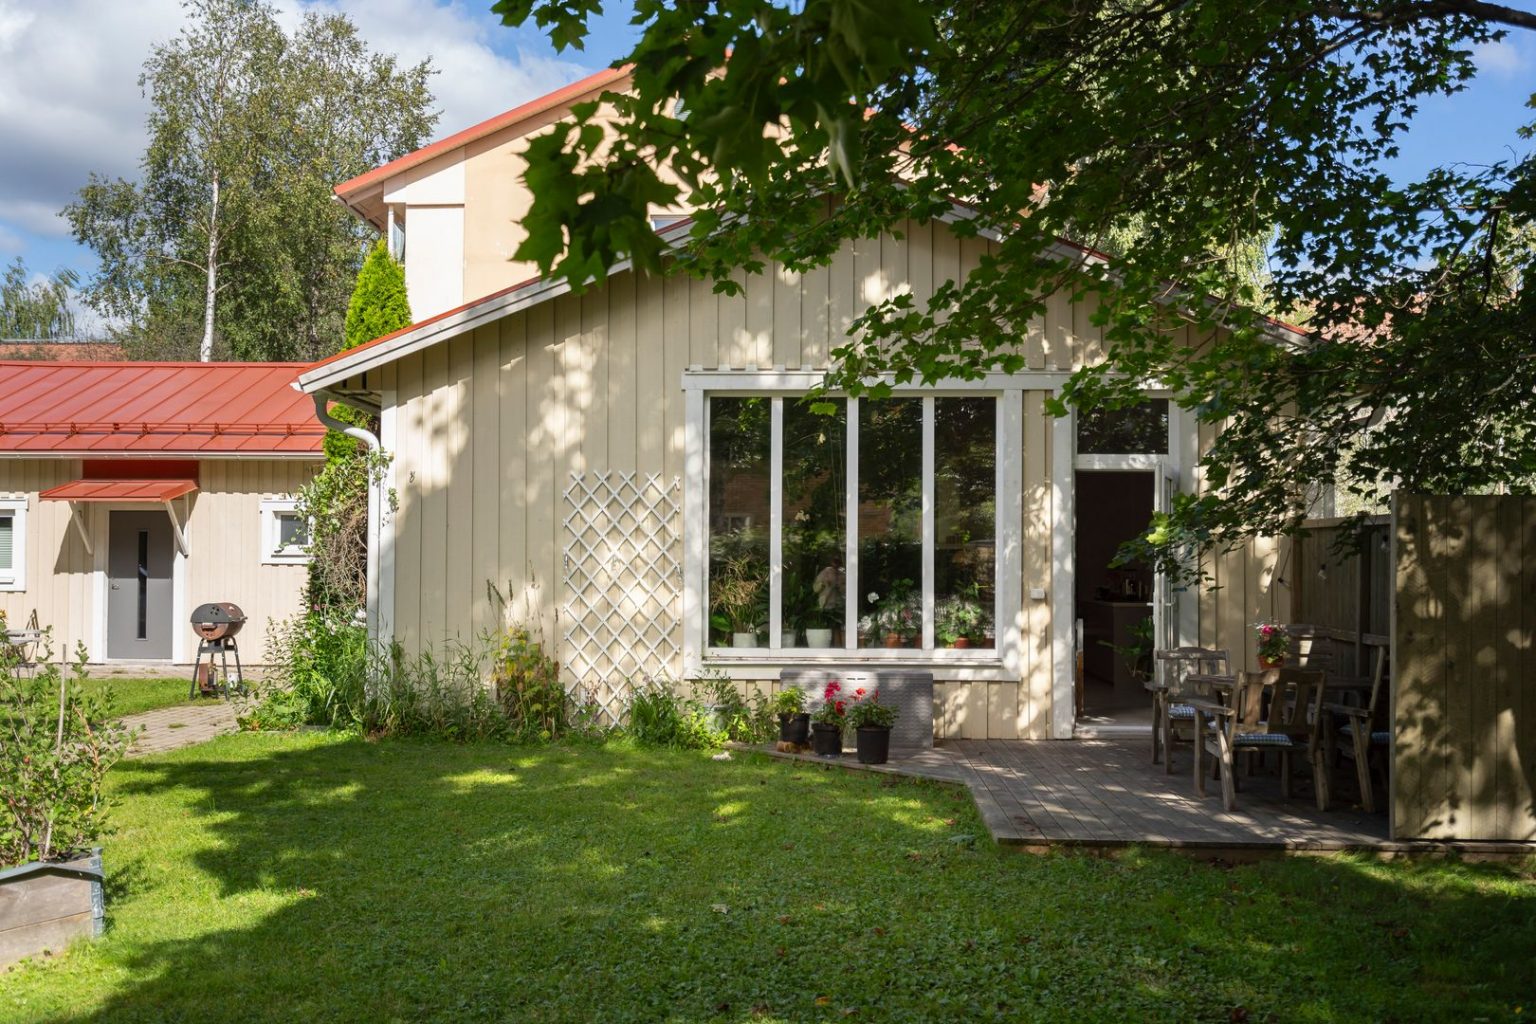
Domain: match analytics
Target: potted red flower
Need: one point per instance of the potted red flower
(829, 721)
(872, 721)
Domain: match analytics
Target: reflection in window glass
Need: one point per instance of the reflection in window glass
(739, 494)
(292, 532)
(965, 521)
(890, 522)
(815, 514)
(1140, 429)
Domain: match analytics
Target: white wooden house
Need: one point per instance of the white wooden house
(611, 462)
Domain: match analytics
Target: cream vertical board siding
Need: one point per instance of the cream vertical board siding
(1246, 585)
(224, 540)
(593, 384)
(224, 534)
(496, 201)
(59, 577)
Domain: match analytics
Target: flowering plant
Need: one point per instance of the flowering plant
(867, 711)
(834, 706)
(1274, 642)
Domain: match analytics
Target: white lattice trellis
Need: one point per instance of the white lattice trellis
(623, 583)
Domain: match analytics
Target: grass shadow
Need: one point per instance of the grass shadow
(310, 877)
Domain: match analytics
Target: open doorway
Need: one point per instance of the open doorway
(1114, 603)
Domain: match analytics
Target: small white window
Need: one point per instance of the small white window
(13, 544)
(284, 532)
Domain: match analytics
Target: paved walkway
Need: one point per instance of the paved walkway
(171, 728)
(1107, 794)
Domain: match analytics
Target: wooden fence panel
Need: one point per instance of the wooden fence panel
(1463, 697)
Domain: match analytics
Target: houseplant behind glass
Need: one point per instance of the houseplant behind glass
(872, 721)
(737, 587)
(961, 619)
(828, 721)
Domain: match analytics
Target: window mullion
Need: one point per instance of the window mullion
(776, 525)
(928, 524)
(851, 532)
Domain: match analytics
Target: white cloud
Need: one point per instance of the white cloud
(473, 81)
(1502, 58)
(70, 102)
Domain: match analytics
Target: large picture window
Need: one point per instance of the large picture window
(873, 527)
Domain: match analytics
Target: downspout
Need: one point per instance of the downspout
(375, 505)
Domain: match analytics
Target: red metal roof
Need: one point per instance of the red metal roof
(161, 409)
(119, 490)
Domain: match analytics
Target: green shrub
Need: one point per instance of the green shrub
(528, 686)
(742, 719)
(325, 672)
(659, 717)
(57, 742)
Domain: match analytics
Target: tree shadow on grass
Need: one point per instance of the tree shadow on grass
(404, 881)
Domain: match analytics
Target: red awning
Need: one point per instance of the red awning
(154, 491)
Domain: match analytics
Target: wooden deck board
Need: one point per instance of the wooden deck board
(1107, 793)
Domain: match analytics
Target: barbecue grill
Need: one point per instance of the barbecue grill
(216, 625)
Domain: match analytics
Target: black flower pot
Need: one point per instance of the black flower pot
(794, 728)
(873, 744)
(826, 740)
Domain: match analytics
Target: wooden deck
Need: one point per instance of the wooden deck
(1108, 794)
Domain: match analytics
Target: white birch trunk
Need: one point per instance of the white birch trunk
(205, 350)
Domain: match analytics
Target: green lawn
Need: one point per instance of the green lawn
(130, 696)
(314, 878)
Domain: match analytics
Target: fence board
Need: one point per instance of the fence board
(1464, 749)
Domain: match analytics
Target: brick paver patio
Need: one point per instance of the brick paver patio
(171, 728)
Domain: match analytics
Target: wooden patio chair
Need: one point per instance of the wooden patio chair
(1355, 733)
(1291, 726)
(1171, 686)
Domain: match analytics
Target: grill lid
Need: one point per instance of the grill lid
(218, 612)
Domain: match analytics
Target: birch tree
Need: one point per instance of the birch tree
(229, 243)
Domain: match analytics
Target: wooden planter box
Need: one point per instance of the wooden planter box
(45, 907)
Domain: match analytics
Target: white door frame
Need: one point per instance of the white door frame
(1065, 462)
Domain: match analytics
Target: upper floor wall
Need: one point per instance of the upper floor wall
(453, 211)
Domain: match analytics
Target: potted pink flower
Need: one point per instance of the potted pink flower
(829, 720)
(1274, 644)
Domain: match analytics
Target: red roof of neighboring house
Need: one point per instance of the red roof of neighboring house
(490, 126)
(119, 490)
(162, 409)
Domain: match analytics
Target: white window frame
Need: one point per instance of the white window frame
(14, 579)
(1001, 661)
(272, 511)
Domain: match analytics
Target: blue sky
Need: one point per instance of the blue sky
(70, 105)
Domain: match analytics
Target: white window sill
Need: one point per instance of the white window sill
(980, 666)
(278, 558)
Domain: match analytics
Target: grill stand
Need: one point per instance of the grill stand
(218, 652)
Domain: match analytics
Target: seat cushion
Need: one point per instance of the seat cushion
(1263, 739)
(1180, 711)
(1377, 735)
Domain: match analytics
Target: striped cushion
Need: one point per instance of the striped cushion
(1180, 711)
(1263, 739)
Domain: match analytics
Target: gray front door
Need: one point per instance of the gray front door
(139, 557)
